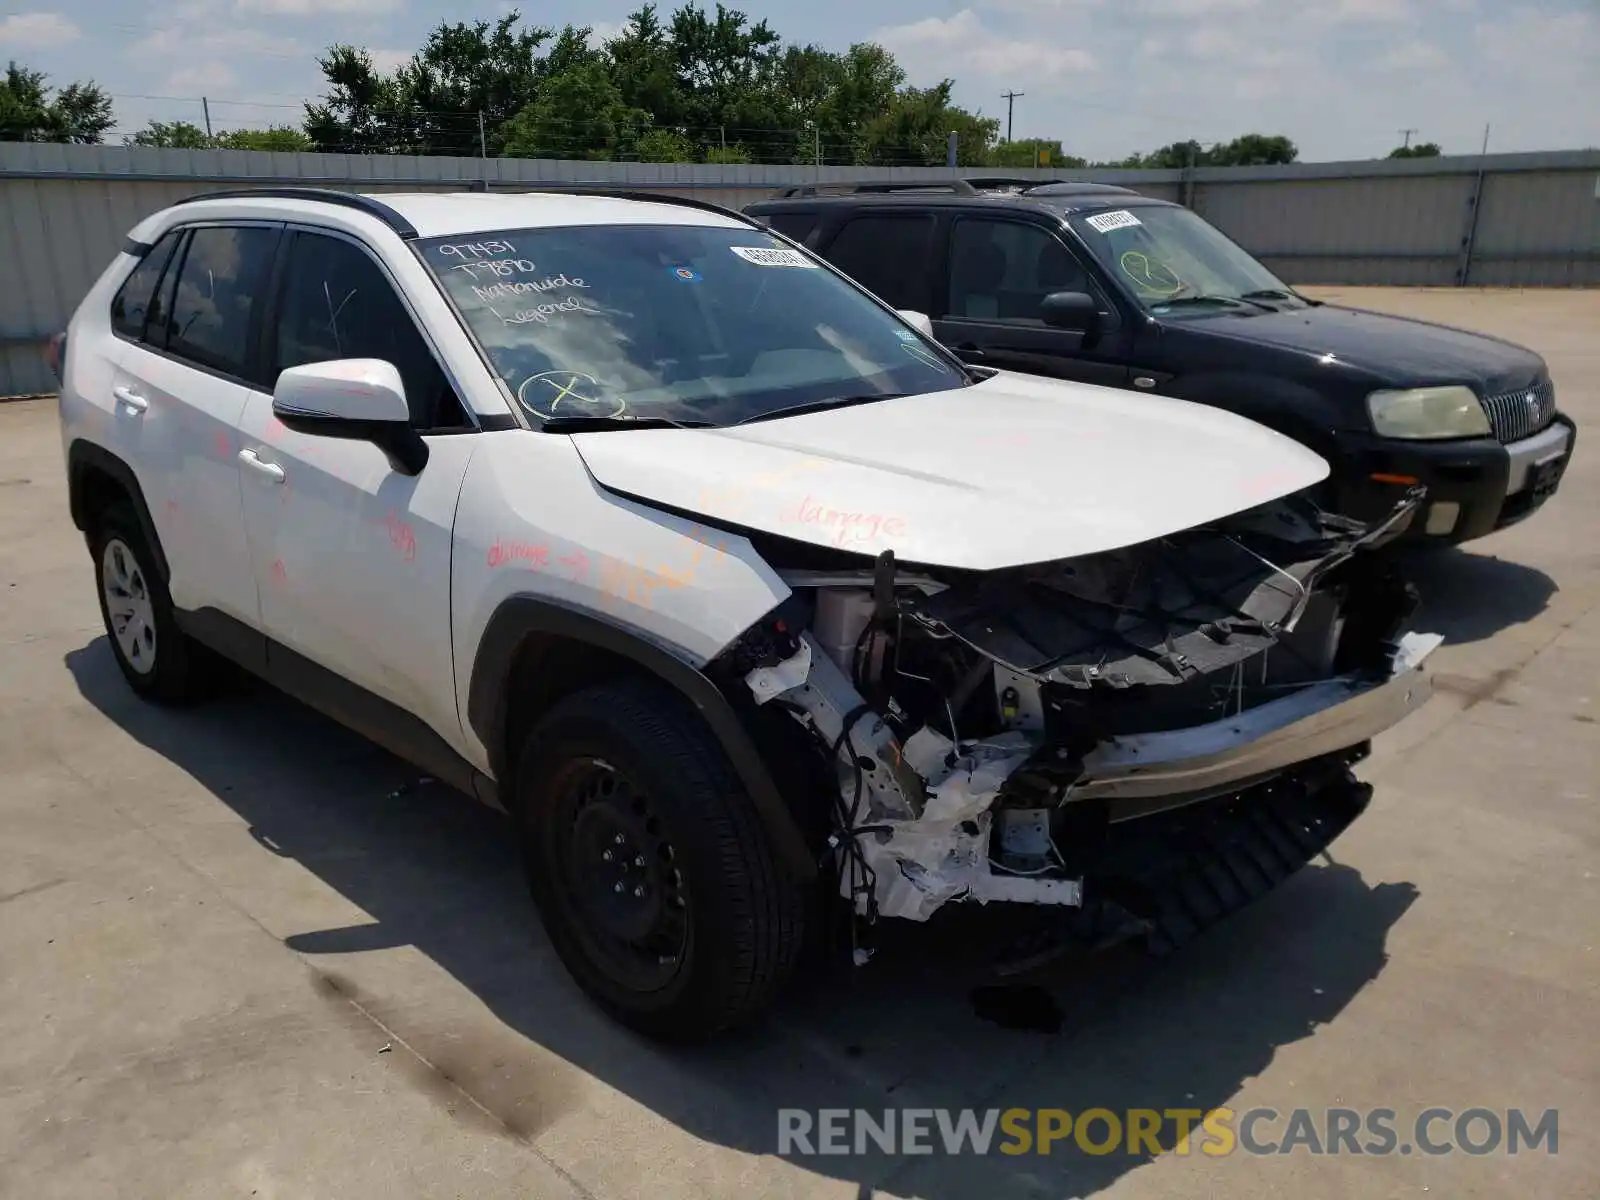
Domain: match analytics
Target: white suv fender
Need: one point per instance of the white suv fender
(671, 596)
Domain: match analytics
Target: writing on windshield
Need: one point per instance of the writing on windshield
(692, 324)
(1172, 260)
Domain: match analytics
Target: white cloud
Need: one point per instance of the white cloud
(36, 31)
(387, 61)
(961, 47)
(305, 8)
(1195, 8)
(201, 78)
(246, 43)
(601, 32)
(1050, 7)
(1414, 56)
(1366, 10)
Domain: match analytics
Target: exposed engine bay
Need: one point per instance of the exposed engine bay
(1110, 729)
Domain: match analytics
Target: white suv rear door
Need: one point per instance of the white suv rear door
(180, 393)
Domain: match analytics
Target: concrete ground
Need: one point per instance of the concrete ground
(238, 958)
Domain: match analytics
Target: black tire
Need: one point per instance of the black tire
(166, 666)
(723, 920)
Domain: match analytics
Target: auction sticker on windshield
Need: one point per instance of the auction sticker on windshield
(1106, 222)
(776, 256)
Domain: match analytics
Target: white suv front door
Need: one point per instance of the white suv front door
(351, 556)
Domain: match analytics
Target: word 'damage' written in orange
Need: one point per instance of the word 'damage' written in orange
(844, 527)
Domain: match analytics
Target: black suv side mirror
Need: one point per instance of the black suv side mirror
(1069, 310)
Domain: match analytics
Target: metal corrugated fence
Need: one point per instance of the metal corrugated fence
(1530, 220)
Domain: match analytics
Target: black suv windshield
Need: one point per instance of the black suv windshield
(690, 324)
(1175, 264)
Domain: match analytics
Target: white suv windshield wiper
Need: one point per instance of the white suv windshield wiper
(797, 410)
(590, 424)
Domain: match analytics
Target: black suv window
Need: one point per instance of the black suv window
(131, 307)
(1002, 270)
(796, 225)
(219, 285)
(889, 255)
(338, 303)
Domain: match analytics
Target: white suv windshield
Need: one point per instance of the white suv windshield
(689, 324)
(1174, 263)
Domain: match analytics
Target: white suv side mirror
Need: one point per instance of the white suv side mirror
(918, 321)
(362, 399)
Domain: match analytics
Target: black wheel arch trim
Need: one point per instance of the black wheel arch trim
(521, 615)
(84, 456)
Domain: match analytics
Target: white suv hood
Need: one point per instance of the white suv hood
(1012, 470)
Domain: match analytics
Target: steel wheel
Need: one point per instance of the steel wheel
(618, 876)
(129, 607)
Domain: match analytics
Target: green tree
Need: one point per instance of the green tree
(29, 112)
(914, 131)
(1253, 150)
(663, 146)
(173, 135)
(364, 111)
(280, 138)
(1025, 152)
(579, 114)
(727, 78)
(643, 66)
(1420, 150)
(432, 104)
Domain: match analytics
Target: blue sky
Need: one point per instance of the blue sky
(1340, 77)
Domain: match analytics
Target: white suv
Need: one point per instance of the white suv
(740, 593)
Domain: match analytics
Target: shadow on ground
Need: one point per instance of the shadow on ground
(437, 872)
(1470, 597)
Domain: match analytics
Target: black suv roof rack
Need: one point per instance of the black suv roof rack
(1067, 187)
(959, 186)
(373, 208)
(1003, 181)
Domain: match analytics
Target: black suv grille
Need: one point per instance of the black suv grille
(1522, 413)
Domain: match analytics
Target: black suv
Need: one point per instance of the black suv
(1100, 284)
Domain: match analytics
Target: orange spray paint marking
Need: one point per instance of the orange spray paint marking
(502, 553)
(577, 562)
(401, 536)
(848, 527)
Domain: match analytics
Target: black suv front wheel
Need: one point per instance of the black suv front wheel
(650, 866)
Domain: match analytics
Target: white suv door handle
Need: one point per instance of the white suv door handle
(271, 470)
(126, 395)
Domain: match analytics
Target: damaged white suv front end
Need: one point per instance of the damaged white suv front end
(1030, 735)
(1038, 683)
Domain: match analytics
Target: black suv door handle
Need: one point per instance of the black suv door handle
(969, 352)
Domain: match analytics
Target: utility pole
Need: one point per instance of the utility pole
(205, 107)
(1010, 98)
(1406, 133)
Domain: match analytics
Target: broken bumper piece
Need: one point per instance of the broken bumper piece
(1320, 718)
(1270, 761)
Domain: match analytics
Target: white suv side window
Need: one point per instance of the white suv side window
(134, 304)
(338, 303)
(220, 282)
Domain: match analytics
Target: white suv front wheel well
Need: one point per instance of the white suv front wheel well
(535, 652)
